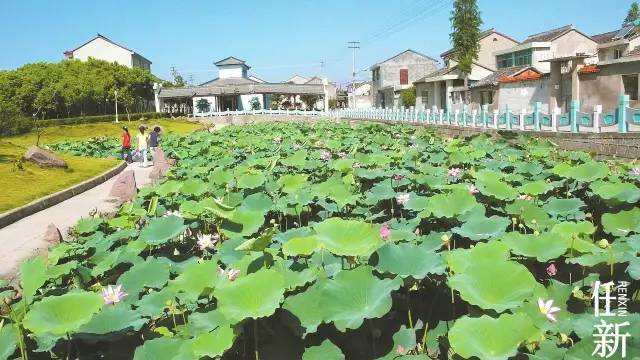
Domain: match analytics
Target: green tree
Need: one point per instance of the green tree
(203, 105)
(465, 35)
(276, 99)
(255, 103)
(309, 100)
(333, 103)
(408, 97)
(634, 12)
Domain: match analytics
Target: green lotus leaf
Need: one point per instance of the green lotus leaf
(306, 245)
(239, 299)
(406, 338)
(536, 188)
(194, 187)
(563, 207)
(214, 343)
(206, 322)
(153, 304)
(153, 273)
(382, 191)
(531, 214)
(298, 159)
(548, 351)
(497, 188)
(33, 274)
(88, 225)
(220, 176)
(259, 243)
(250, 180)
(217, 207)
(480, 228)
(257, 202)
(622, 223)
(60, 315)
(113, 318)
(348, 237)
(450, 205)
(8, 341)
(305, 307)
(292, 183)
(343, 165)
(294, 274)
(243, 223)
(164, 348)
(325, 351)
(491, 339)
(160, 230)
(168, 187)
(355, 295)
(479, 285)
(417, 203)
(459, 260)
(195, 278)
(409, 260)
(618, 191)
(543, 247)
(586, 172)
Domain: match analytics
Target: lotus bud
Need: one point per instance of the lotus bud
(536, 232)
(588, 215)
(514, 220)
(445, 239)
(521, 226)
(534, 221)
(603, 244)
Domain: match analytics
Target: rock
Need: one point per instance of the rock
(44, 158)
(52, 236)
(160, 165)
(124, 189)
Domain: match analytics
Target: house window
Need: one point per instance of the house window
(617, 53)
(518, 58)
(425, 98)
(486, 97)
(630, 83)
(404, 76)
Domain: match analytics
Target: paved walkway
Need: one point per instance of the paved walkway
(24, 238)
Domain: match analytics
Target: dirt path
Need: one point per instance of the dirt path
(25, 237)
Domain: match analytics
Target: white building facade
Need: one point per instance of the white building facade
(102, 48)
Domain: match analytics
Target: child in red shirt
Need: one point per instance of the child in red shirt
(126, 144)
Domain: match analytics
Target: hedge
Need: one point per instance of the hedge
(23, 125)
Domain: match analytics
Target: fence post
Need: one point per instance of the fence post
(496, 115)
(464, 115)
(507, 117)
(483, 114)
(573, 115)
(554, 119)
(597, 110)
(523, 112)
(623, 103)
(474, 114)
(536, 115)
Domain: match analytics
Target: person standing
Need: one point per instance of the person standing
(154, 140)
(126, 144)
(143, 145)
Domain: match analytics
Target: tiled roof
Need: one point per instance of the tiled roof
(492, 80)
(230, 61)
(100, 36)
(549, 35)
(436, 73)
(482, 36)
(252, 88)
(406, 51)
(635, 52)
(605, 37)
(228, 81)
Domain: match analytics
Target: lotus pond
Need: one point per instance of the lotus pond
(334, 240)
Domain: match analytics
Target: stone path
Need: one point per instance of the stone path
(25, 237)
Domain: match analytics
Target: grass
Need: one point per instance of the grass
(23, 186)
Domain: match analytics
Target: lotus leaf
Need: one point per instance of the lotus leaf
(536, 188)
(543, 247)
(113, 318)
(500, 338)
(196, 278)
(409, 260)
(460, 259)
(292, 183)
(164, 348)
(213, 344)
(62, 314)
(622, 223)
(153, 273)
(564, 207)
(253, 296)
(325, 351)
(347, 237)
(450, 205)
(480, 228)
(479, 285)
(160, 230)
(8, 341)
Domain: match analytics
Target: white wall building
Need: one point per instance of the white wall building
(102, 48)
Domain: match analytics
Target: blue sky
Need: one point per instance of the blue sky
(278, 38)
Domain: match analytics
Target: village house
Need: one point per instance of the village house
(444, 88)
(102, 48)
(360, 95)
(397, 73)
(543, 68)
(234, 90)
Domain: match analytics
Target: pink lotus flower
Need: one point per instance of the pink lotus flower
(398, 177)
(385, 231)
(230, 273)
(342, 155)
(454, 172)
(547, 309)
(188, 232)
(400, 350)
(551, 269)
(473, 189)
(113, 295)
(525, 197)
(277, 140)
(635, 172)
(402, 198)
(325, 155)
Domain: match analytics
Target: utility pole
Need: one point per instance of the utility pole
(354, 45)
(116, 96)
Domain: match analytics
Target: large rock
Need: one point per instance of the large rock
(124, 189)
(52, 236)
(44, 158)
(160, 165)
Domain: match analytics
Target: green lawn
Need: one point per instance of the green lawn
(20, 187)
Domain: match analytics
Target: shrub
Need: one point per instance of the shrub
(408, 97)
